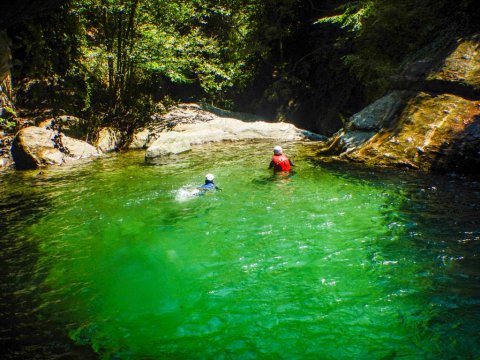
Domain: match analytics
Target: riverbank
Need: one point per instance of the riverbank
(59, 140)
(187, 125)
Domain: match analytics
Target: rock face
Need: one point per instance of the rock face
(195, 126)
(181, 114)
(36, 147)
(432, 124)
(109, 140)
(141, 139)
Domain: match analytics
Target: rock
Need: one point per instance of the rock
(67, 124)
(461, 66)
(433, 132)
(365, 124)
(351, 140)
(433, 125)
(5, 162)
(37, 147)
(180, 114)
(221, 128)
(108, 140)
(169, 144)
(454, 69)
(190, 124)
(313, 136)
(380, 114)
(141, 139)
(184, 135)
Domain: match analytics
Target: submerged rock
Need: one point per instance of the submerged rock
(36, 147)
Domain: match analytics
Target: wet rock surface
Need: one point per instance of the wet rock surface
(432, 123)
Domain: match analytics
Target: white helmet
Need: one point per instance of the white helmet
(277, 150)
(209, 177)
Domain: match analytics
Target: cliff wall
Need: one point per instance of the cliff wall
(430, 120)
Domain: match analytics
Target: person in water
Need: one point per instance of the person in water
(280, 162)
(209, 184)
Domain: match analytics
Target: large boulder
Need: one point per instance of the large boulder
(169, 143)
(200, 124)
(108, 139)
(37, 147)
(455, 68)
(362, 126)
(141, 139)
(185, 135)
(434, 132)
(180, 114)
(432, 124)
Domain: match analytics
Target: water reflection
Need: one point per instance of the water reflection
(330, 261)
(24, 333)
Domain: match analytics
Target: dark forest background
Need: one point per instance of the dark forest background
(310, 62)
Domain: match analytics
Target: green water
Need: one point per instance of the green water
(109, 260)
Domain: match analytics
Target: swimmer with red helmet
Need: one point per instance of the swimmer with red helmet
(280, 162)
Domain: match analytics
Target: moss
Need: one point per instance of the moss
(428, 134)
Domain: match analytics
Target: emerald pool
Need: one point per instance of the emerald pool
(111, 260)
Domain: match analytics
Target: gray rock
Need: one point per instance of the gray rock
(183, 136)
(351, 140)
(380, 114)
(108, 140)
(190, 124)
(142, 139)
(169, 144)
(363, 125)
(36, 147)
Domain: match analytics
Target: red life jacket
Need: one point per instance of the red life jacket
(281, 163)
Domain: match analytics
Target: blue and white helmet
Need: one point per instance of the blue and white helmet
(209, 177)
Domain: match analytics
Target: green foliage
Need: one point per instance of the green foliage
(8, 125)
(7, 119)
(9, 112)
(380, 34)
(352, 16)
(99, 57)
(117, 60)
(131, 42)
